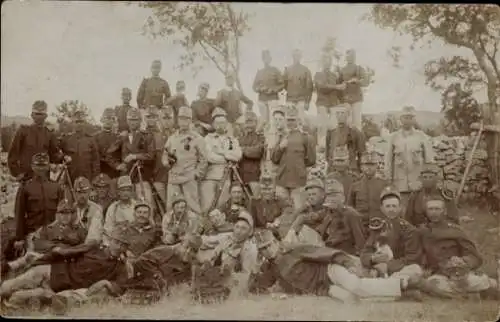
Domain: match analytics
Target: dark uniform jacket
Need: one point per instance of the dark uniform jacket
(365, 197)
(327, 96)
(293, 160)
(353, 92)
(415, 209)
(28, 141)
(253, 146)
(268, 83)
(160, 172)
(346, 137)
(405, 243)
(298, 83)
(84, 153)
(347, 180)
(266, 211)
(121, 116)
(444, 240)
(229, 100)
(104, 139)
(143, 238)
(143, 145)
(58, 235)
(153, 91)
(36, 205)
(202, 110)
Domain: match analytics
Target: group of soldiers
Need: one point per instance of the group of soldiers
(212, 195)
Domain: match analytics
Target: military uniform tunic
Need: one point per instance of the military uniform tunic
(57, 234)
(365, 197)
(84, 153)
(153, 91)
(346, 138)
(104, 139)
(253, 146)
(415, 210)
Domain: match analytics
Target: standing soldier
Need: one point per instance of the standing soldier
(298, 85)
(104, 139)
(280, 130)
(268, 83)
(353, 77)
(222, 150)
(345, 138)
(409, 149)
(202, 109)
(30, 140)
(328, 97)
(365, 193)
(81, 151)
(103, 196)
(253, 147)
(415, 210)
(184, 155)
(178, 99)
(229, 99)
(89, 214)
(122, 110)
(293, 153)
(36, 201)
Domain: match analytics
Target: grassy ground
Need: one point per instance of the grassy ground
(315, 308)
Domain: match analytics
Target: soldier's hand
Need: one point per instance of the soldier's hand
(121, 167)
(283, 143)
(19, 245)
(20, 177)
(57, 250)
(67, 159)
(130, 157)
(341, 86)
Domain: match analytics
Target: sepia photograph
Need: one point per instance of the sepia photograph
(177, 160)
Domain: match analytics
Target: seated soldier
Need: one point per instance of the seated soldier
(416, 208)
(236, 202)
(121, 210)
(179, 221)
(63, 232)
(89, 214)
(379, 228)
(103, 195)
(316, 270)
(451, 256)
(402, 237)
(74, 268)
(143, 234)
(218, 223)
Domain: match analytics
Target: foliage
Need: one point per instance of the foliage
(66, 110)
(207, 31)
(391, 123)
(369, 127)
(475, 27)
(460, 109)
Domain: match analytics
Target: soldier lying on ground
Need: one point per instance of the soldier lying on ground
(451, 257)
(179, 221)
(316, 270)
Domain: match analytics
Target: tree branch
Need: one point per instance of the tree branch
(211, 57)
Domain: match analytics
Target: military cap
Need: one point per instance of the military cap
(142, 203)
(185, 112)
(409, 110)
(179, 197)
(389, 191)
(333, 185)
(205, 86)
(81, 184)
(266, 178)
(133, 114)
(39, 107)
(430, 168)
(194, 241)
(376, 223)
(315, 183)
(246, 217)
(218, 111)
(108, 112)
(102, 180)
(369, 158)
(126, 90)
(152, 110)
(124, 181)
(279, 110)
(263, 238)
(40, 159)
(65, 206)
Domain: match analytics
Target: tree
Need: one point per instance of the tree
(66, 110)
(207, 31)
(460, 108)
(369, 127)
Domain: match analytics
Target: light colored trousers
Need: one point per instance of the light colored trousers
(189, 190)
(266, 109)
(208, 191)
(326, 120)
(296, 195)
(37, 276)
(474, 283)
(355, 112)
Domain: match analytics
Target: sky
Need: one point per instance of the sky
(56, 50)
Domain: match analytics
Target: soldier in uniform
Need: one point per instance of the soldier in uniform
(104, 139)
(63, 232)
(415, 210)
(121, 210)
(365, 193)
(293, 154)
(403, 239)
(268, 83)
(274, 134)
(177, 100)
(179, 221)
(338, 169)
(236, 203)
(222, 149)
(143, 231)
(81, 151)
(409, 149)
(89, 213)
(137, 145)
(154, 90)
(299, 85)
(103, 196)
(30, 140)
(36, 201)
(202, 109)
(450, 255)
(122, 110)
(185, 157)
(345, 138)
(253, 147)
(229, 99)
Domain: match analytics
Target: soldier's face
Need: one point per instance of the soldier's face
(180, 87)
(107, 122)
(266, 58)
(268, 191)
(38, 118)
(125, 193)
(82, 197)
(167, 120)
(250, 124)
(155, 69)
(391, 207)
(41, 170)
(271, 250)
(66, 218)
(184, 123)
(369, 169)
(342, 116)
(315, 196)
(102, 191)
(292, 123)
(126, 97)
(241, 230)
(407, 121)
(180, 207)
(236, 194)
(202, 92)
(435, 210)
(350, 57)
(297, 56)
(279, 120)
(334, 199)
(134, 124)
(429, 180)
(142, 215)
(220, 125)
(151, 120)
